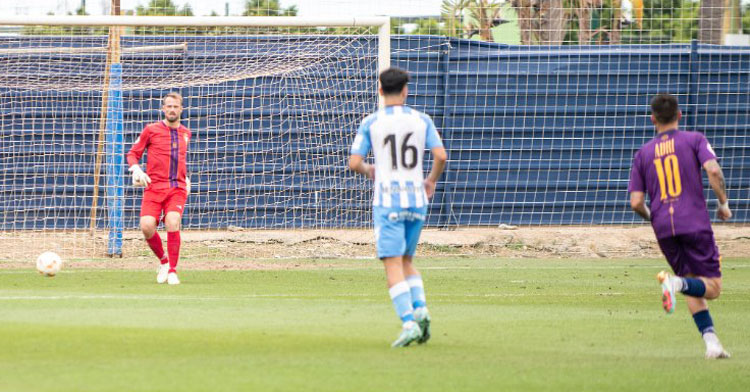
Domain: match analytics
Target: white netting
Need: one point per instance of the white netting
(540, 103)
(272, 113)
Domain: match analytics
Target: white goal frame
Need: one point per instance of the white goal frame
(113, 51)
(383, 23)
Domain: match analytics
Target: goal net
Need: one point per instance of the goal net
(272, 103)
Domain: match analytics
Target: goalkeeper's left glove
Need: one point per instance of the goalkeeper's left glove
(140, 178)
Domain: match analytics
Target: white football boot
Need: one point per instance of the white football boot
(714, 349)
(172, 278)
(422, 317)
(161, 276)
(667, 291)
(409, 333)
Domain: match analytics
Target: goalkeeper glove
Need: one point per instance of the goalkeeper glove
(140, 178)
(187, 184)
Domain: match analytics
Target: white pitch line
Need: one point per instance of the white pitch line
(302, 296)
(292, 296)
(457, 268)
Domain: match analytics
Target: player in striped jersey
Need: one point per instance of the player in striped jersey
(398, 136)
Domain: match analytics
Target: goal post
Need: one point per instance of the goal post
(269, 100)
(382, 23)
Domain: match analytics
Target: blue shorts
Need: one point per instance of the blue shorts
(397, 230)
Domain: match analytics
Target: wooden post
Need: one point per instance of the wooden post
(113, 56)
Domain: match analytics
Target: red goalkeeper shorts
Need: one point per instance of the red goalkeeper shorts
(166, 200)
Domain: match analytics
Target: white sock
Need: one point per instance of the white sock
(711, 338)
(677, 284)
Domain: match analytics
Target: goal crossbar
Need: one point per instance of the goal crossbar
(85, 50)
(324, 72)
(195, 21)
(383, 24)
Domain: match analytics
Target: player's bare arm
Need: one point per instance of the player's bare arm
(716, 180)
(439, 157)
(357, 163)
(638, 204)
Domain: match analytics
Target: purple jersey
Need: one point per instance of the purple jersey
(668, 169)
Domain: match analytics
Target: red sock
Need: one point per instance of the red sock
(155, 244)
(173, 247)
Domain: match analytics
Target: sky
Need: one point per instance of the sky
(204, 7)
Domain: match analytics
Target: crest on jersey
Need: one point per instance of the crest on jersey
(664, 137)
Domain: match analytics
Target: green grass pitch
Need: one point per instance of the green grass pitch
(498, 324)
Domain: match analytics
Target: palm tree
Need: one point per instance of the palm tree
(541, 21)
(481, 17)
(549, 22)
(711, 15)
(524, 10)
(452, 13)
(484, 14)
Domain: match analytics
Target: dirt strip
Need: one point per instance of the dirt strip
(285, 249)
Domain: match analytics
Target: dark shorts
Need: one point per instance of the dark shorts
(692, 254)
(164, 200)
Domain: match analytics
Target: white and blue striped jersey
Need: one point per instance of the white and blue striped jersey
(397, 136)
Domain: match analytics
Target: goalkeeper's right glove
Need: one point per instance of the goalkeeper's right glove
(140, 178)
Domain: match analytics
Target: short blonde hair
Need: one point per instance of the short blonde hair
(171, 94)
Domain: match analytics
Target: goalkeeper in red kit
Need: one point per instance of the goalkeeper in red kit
(166, 183)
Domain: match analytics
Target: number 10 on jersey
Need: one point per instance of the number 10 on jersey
(668, 172)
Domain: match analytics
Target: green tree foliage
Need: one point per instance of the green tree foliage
(666, 21)
(268, 8)
(163, 8)
(64, 30)
(422, 26)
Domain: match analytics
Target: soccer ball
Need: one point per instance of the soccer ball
(48, 263)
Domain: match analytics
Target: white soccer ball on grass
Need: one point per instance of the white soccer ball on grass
(48, 263)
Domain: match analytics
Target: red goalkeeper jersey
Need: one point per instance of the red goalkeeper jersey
(167, 154)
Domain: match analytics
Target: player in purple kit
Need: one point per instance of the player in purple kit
(668, 168)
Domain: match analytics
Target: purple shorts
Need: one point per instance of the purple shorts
(692, 254)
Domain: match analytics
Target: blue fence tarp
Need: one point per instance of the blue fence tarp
(535, 135)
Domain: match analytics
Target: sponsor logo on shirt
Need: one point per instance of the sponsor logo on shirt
(409, 188)
(405, 216)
